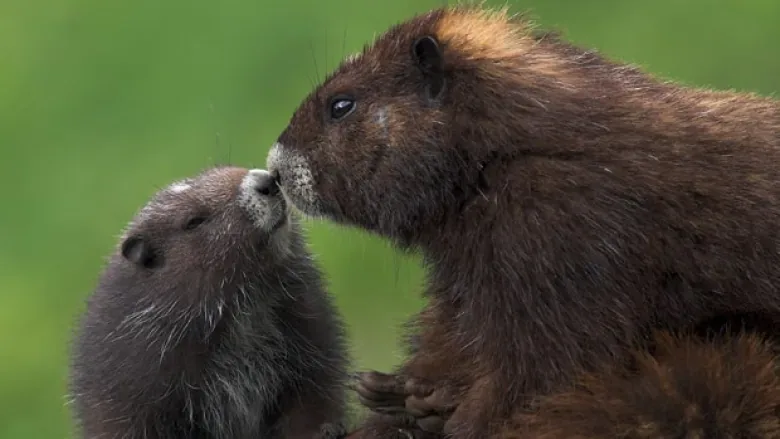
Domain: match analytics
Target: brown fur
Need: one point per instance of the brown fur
(566, 205)
(689, 389)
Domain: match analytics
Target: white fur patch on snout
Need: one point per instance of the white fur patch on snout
(266, 211)
(297, 181)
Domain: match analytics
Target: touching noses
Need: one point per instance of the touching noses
(266, 183)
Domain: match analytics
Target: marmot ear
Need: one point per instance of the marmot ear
(138, 251)
(428, 56)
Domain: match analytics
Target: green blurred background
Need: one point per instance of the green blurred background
(102, 102)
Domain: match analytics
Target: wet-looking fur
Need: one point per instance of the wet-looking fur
(565, 204)
(210, 321)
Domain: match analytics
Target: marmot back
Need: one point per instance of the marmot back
(566, 205)
(691, 388)
(210, 321)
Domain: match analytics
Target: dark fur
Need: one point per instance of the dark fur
(727, 388)
(566, 205)
(242, 340)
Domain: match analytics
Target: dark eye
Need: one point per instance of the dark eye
(194, 222)
(341, 107)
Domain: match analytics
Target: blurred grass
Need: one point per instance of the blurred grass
(102, 102)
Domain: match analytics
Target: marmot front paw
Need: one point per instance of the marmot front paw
(429, 405)
(381, 392)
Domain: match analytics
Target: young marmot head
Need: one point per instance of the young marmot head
(385, 142)
(210, 225)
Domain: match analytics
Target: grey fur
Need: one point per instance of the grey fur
(229, 333)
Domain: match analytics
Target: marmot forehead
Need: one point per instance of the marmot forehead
(217, 191)
(211, 188)
(218, 184)
(215, 186)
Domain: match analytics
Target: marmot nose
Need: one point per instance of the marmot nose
(266, 184)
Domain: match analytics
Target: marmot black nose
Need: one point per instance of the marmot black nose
(266, 184)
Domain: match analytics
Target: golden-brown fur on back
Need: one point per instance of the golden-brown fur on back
(690, 388)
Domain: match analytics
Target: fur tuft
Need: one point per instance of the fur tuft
(487, 34)
(492, 41)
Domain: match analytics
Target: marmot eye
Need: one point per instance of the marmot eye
(341, 107)
(194, 222)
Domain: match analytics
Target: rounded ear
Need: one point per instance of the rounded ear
(427, 53)
(429, 59)
(138, 251)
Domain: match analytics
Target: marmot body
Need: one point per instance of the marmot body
(566, 205)
(210, 321)
(723, 388)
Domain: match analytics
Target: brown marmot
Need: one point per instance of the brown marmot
(565, 204)
(211, 321)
